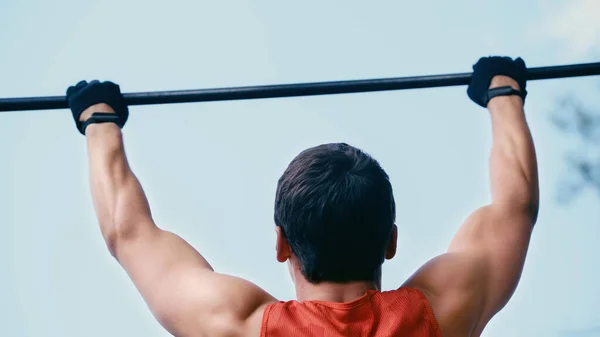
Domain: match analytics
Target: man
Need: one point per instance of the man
(334, 216)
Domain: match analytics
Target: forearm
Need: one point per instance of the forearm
(513, 166)
(120, 202)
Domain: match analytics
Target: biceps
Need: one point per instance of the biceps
(494, 228)
(181, 289)
(500, 239)
(151, 256)
(155, 252)
(176, 282)
(505, 262)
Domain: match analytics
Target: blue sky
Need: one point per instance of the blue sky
(210, 169)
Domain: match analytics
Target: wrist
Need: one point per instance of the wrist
(101, 130)
(500, 102)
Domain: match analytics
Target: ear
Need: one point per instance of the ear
(390, 250)
(284, 252)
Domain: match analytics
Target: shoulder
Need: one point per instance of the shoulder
(243, 314)
(451, 288)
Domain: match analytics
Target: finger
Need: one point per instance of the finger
(81, 84)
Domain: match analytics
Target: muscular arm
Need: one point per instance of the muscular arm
(513, 166)
(181, 289)
(469, 284)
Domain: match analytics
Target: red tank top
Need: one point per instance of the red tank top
(402, 312)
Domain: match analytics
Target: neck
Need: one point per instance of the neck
(332, 292)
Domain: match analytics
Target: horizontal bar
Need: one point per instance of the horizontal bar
(299, 89)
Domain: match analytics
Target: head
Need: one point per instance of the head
(335, 214)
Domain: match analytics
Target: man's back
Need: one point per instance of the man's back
(402, 312)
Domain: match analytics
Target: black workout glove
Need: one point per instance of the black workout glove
(84, 94)
(486, 68)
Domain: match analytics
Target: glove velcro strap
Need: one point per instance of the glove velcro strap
(100, 117)
(504, 91)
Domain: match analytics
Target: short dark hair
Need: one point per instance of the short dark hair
(336, 208)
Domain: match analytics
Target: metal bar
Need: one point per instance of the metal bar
(299, 89)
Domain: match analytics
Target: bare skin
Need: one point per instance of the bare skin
(466, 286)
